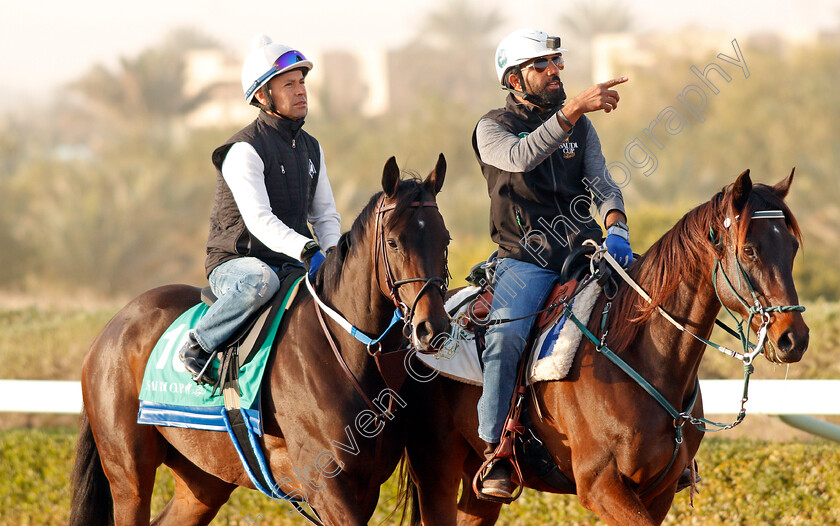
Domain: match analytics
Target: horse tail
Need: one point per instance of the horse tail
(407, 495)
(91, 504)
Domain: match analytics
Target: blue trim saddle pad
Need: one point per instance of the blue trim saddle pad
(170, 397)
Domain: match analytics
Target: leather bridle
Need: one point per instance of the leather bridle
(439, 283)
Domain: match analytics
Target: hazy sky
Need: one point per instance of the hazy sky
(44, 43)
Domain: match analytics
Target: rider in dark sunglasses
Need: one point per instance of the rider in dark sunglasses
(541, 64)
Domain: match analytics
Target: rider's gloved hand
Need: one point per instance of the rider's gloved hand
(618, 244)
(312, 258)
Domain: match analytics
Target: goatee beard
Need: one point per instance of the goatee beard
(549, 98)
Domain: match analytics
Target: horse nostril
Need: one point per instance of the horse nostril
(792, 342)
(423, 331)
(785, 342)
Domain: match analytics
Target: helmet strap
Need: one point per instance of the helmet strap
(269, 105)
(524, 95)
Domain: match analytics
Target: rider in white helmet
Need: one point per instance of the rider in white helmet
(523, 46)
(271, 185)
(544, 168)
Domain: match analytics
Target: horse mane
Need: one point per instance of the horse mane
(329, 275)
(682, 255)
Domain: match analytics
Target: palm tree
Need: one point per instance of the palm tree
(146, 90)
(450, 58)
(460, 26)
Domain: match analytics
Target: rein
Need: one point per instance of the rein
(399, 311)
(680, 417)
(399, 315)
(393, 286)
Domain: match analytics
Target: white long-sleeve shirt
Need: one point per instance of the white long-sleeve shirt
(243, 169)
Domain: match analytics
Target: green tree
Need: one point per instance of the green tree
(450, 57)
(146, 92)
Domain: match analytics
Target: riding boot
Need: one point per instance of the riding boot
(495, 482)
(195, 360)
(685, 478)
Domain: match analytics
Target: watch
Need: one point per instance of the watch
(620, 224)
(309, 249)
(620, 229)
(565, 120)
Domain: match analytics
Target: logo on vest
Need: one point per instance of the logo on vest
(568, 149)
(522, 135)
(311, 169)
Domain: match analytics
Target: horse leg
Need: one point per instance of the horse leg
(661, 505)
(473, 511)
(436, 472)
(606, 494)
(130, 463)
(198, 495)
(130, 453)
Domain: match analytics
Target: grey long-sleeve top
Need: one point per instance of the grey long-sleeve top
(504, 150)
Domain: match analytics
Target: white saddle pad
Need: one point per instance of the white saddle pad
(551, 356)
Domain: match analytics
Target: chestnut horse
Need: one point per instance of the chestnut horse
(613, 441)
(395, 253)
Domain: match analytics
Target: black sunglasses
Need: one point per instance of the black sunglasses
(541, 64)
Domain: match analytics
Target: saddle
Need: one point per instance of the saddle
(575, 267)
(251, 335)
(481, 306)
(519, 442)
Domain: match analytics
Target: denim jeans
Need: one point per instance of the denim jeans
(520, 289)
(242, 286)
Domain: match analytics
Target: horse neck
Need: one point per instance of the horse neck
(672, 356)
(358, 298)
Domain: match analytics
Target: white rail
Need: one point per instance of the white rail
(788, 399)
(768, 397)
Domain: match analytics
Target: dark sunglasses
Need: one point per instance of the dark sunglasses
(541, 64)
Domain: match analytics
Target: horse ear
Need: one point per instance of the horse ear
(434, 181)
(391, 177)
(741, 189)
(782, 187)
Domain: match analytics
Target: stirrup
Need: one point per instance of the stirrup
(478, 482)
(203, 376)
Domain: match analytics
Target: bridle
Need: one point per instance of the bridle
(754, 309)
(439, 283)
(750, 351)
(402, 312)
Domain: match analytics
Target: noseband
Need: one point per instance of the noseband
(756, 308)
(393, 285)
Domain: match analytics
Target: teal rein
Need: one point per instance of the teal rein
(750, 351)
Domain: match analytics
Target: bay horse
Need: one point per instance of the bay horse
(613, 442)
(395, 253)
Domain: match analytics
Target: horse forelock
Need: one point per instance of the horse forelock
(763, 197)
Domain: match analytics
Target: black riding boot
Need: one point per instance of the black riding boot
(685, 478)
(496, 481)
(195, 360)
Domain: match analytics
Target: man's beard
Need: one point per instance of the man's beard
(547, 98)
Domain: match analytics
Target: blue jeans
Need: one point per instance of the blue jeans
(520, 289)
(242, 286)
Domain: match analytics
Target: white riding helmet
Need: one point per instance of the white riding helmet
(521, 46)
(267, 60)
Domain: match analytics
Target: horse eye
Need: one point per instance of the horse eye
(749, 252)
(392, 244)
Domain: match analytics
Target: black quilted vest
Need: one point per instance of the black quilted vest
(531, 216)
(292, 161)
